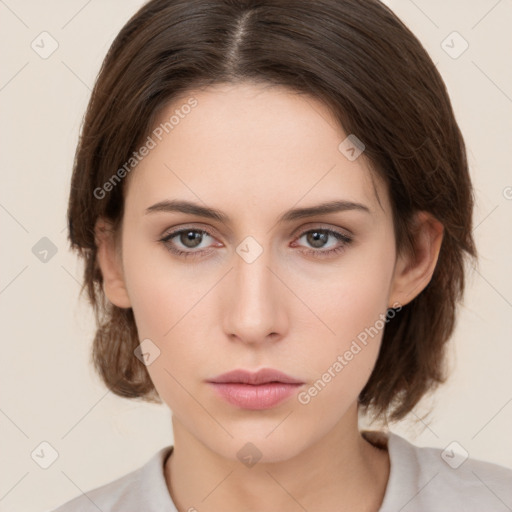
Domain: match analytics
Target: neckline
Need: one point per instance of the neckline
(402, 467)
(382, 440)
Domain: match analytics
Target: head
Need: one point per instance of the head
(256, 111)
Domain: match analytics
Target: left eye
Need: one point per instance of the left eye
(318, 237)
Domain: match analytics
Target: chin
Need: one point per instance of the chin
(267, 445)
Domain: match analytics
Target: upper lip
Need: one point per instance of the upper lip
(262, 376)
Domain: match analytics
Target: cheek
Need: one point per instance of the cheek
(153, 285)
(353, 306)
(340, 370)
(356, 294)
(167, 305)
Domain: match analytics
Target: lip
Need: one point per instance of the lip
(256, 391)
(263, 376)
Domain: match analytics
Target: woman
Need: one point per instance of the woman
(273, 203)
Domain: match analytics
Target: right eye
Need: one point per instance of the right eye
(189, 238)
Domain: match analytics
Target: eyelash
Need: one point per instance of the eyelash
(346, 240)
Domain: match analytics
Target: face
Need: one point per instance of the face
(305, 295)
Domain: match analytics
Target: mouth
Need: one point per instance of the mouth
(263, 376)
(256, 391)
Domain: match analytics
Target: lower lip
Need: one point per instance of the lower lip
(262, 396)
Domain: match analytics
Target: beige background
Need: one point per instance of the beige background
(48, 389)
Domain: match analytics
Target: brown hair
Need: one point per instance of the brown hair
(369, 69)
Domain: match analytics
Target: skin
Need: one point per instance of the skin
(254, 152)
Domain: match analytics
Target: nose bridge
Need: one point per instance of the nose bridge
(255, 307)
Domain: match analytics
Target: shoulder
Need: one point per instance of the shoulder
(141, 489)
(425, 479)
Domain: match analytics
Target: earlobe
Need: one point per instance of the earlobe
(414, 270)
(109, 261)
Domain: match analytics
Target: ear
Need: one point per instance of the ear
(414, 269)
(110, 263)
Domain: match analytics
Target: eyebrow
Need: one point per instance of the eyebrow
(291, 215)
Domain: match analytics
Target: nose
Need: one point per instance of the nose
(255, 310)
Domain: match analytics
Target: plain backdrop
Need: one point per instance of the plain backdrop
(49, 392)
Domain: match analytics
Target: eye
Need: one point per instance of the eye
(318, 238)
(189, 238)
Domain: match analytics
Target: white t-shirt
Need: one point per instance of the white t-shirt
(420, 480)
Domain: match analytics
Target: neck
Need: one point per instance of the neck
(339, 472)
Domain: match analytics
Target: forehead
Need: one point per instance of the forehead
(251, 144)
